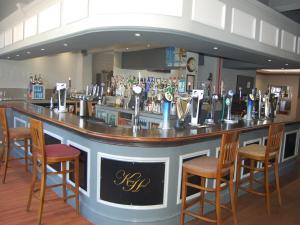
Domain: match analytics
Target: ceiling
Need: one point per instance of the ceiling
(125, 40)
(289, 8)
(7, 7)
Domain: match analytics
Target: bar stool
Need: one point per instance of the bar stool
(212, 168)
(44, 155)
(20, 134)
(268, 156)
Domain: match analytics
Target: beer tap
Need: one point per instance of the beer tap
(168, 98)
(223, 96)
(196, 106)
(211, 120)
(240, 92)
(228, 103)
(137, 90)
(101, 97)
(62, 95)
(250, 106)
(267, 105)
(259, 104)
(273, 103)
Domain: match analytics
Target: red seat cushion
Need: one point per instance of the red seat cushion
(61, 151)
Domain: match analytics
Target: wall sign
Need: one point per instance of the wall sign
(131, 183)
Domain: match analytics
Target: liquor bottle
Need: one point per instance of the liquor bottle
(30, 87)
(40, 80)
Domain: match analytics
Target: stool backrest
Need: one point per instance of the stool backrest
(4, 125)
(228, 149)
(274, 138)
(38, 140)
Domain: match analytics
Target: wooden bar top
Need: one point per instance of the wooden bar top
(104, 133)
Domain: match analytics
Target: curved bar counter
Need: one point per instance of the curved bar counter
(131, 177)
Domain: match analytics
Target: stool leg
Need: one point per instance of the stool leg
(26, 153)
(32, 185)
(267, 191)
(6, 160)
(277, 180)
(202, 197)
(76, 175)
(183, 196)
(232, 196)
(64, 181)
(42, 194)
(218, 201)
(251, 173)
(238, 177)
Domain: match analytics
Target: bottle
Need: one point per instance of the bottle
(35, 80)
(30, 87)
(40, 80)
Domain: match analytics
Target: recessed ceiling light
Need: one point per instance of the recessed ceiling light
(137, 34)
(66, 44)
(215, 48)
(28, 52)
(42, 49)
(18, 55)
(286, 64)
(269, 60)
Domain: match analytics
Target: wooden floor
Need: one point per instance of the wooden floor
(13, 200)
(251, 209)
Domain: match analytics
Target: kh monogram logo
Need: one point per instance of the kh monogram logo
(131, 182)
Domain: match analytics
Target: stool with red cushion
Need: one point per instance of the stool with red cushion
(44, 155)
(9, 137)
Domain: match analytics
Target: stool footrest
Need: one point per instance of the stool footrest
(204, 218)
(53, 186)
(70, 196)
(192, 202)
(252, 191)
(12, 159)
(59, 172)
(200, 187)
(255, 168)
(213, 203)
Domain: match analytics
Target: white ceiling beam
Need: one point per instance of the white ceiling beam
(284, 5)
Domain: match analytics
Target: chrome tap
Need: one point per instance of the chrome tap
(259, 104)
(137, 90)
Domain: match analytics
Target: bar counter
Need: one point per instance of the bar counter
(121, 134)
(134, 178)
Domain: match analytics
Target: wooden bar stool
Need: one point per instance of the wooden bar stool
(20, 134)
(212, 168)
(268, 156)
(49, 154)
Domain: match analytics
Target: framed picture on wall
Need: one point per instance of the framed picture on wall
(181, 86)
(190, 82)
